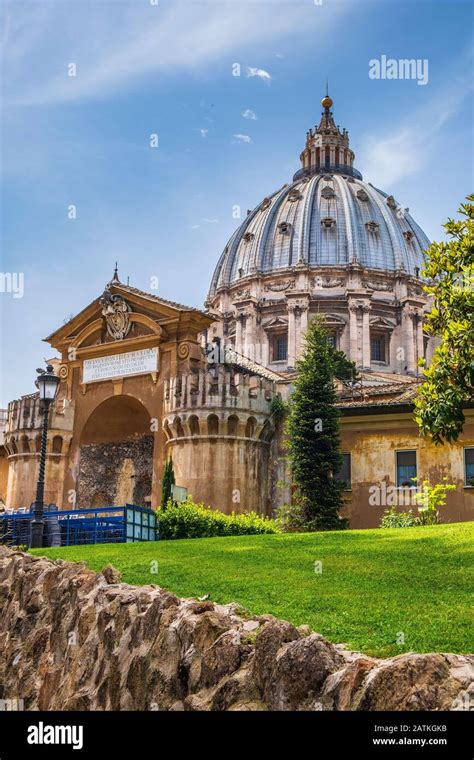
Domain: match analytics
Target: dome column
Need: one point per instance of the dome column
(238, 332)
(292, 307)
(304, 312)
(409, 341)
(353, 338)
(420, 343)
(250, 333)
(365, 336)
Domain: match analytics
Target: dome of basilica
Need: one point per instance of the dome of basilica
(328, 244)
(327, 216)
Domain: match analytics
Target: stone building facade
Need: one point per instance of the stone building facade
(143, 378)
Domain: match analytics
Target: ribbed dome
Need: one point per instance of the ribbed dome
(327, 216)
(323, 220)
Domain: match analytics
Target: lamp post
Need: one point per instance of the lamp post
(47, 384)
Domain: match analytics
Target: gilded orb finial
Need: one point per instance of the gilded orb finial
(326, 102)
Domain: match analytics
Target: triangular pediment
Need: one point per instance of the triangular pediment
(381, 322)
(275, 322)
(334, 319)
(122, 313)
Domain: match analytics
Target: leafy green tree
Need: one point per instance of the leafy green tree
(313, 433)
(449, 380)
(167, 481)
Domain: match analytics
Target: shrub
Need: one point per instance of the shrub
(393, 519)
(190, 520)
(278, 408)
(429, 500)
(291, 518)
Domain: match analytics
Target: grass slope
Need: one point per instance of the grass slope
(374, 585)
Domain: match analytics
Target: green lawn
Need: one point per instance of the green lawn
(374, 585)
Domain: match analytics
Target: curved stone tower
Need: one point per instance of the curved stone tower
(219, 428)
(23, 443)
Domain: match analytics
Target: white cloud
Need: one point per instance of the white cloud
(249, 114)
(114, 44)
(210, 221)
(261, 73)
(242, 138)
(404, 151)
(204, 132)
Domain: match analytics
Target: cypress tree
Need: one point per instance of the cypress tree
(313, 432)
(167, 481)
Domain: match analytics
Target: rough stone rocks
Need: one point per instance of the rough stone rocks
(71, 639)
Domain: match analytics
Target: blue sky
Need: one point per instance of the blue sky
(167, 69)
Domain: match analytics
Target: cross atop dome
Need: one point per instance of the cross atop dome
(326, 101)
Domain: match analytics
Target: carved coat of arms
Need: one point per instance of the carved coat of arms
(115, 311)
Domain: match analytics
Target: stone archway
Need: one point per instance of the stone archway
(116, 455)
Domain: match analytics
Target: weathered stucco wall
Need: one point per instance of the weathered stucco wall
(74, 640)
(372, 441)
(3, 474)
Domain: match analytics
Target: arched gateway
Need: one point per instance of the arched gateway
(106, 442)
(116, 455)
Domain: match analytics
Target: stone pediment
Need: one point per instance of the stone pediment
(275, 322)
(334, 319)
(381, 322)
(121, 314)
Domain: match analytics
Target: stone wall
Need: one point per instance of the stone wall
(115, 473)
(71, 639)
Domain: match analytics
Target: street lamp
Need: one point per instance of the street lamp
(47, 384)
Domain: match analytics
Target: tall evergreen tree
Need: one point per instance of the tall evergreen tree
(313, 432)
(166, 483)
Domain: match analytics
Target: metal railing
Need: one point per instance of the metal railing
(309, 171)
(103, 525)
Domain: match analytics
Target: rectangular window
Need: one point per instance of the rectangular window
(377, 348)
(281, 348)
(344, 473)
(332, 340)
(406, 468)
(469, 466)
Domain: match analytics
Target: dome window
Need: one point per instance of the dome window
(362, 195)
(372, 226)
(328, 193)
(265, 204)
(408, 235)
(328, 222)
(284, 228)
(294, 195)
(392, 202)
(248, 237)
(349, 179)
